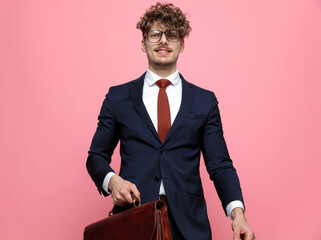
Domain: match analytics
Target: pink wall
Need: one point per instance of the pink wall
(58, 58)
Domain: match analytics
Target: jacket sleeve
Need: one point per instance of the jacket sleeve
(103, 144)
(217, 159)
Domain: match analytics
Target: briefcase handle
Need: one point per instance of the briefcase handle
(117, 209)
(136, 200)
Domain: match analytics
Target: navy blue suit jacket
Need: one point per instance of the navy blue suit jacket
(145, 159)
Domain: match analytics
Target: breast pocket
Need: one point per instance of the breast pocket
(196, 116)
(194, 123)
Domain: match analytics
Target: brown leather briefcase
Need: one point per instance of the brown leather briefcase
(145, 222)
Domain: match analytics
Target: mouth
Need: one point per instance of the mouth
(163, 51)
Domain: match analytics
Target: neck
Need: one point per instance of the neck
(163, 71)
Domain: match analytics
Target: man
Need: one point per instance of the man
(163, 123)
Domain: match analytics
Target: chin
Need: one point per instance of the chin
(164, 64)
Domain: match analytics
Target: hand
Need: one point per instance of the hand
(121, 190)
(240, 227)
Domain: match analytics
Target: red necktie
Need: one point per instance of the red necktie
(163, 111)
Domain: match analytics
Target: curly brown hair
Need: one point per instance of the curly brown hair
(165, 14)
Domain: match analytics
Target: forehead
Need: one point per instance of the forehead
(158, 26)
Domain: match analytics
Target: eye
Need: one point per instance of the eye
(173, 35)
(154, 34)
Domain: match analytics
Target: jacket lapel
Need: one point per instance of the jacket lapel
(187, 99)
(136, 95)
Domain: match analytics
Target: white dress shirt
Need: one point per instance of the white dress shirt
(174, 94)
(150, 98)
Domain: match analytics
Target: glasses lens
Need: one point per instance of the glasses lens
(154, 36)
(172, 36)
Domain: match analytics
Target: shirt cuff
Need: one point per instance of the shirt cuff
(106, 181)
(230, 207)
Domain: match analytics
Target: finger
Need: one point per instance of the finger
(135, 191)
(236, 234)
(122, 197)
(118, 199)
(126, 196)
(249, 236)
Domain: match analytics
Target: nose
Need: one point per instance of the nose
(163, 39)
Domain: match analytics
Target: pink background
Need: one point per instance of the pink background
(58, 59)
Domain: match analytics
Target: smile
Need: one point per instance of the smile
(163, 50)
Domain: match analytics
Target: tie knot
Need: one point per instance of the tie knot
(163, 83)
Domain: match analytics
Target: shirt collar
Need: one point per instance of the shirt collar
(151, 78)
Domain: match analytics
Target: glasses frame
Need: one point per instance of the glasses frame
(162, 32)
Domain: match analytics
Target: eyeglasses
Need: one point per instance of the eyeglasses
(154, 36)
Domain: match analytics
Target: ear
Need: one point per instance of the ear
(182, 46)
(143, 46)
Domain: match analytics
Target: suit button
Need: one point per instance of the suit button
(161, 151)
(156, 179)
